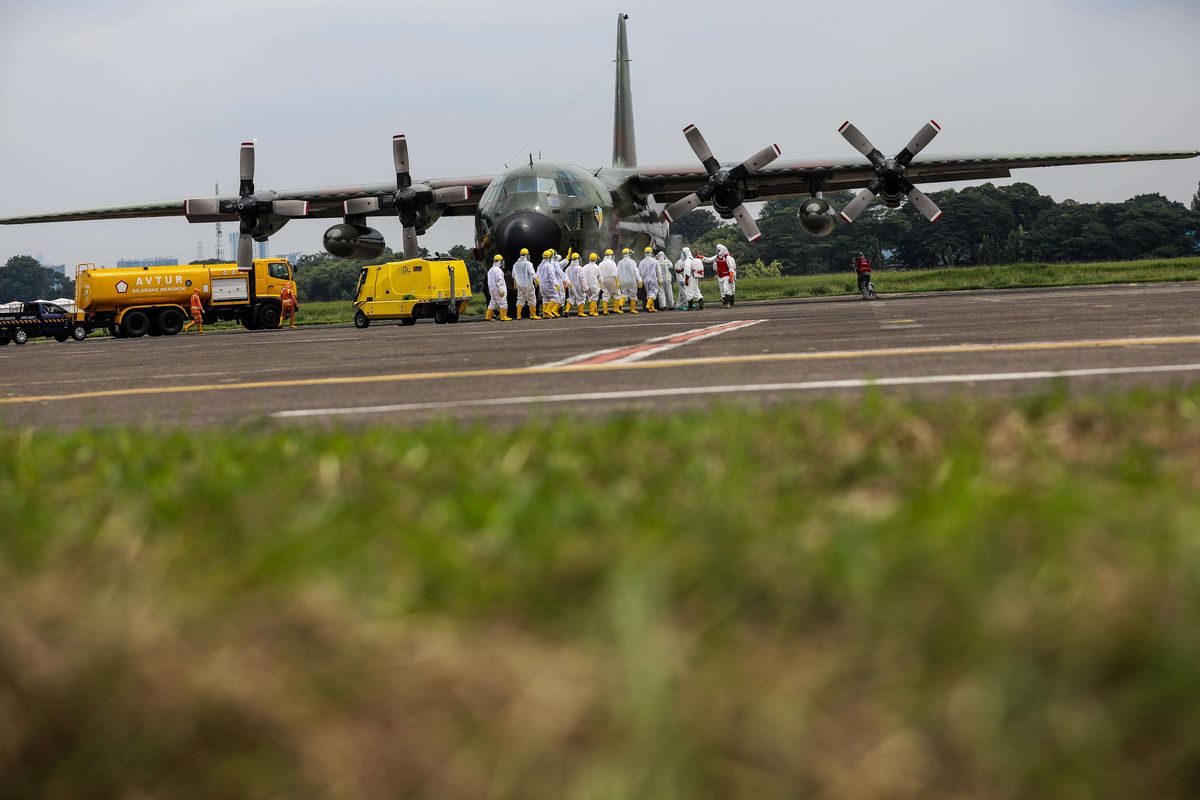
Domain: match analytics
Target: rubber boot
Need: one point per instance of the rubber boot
(619, 305)
(490, 316)
(605, 306)
(504, 317)
(592, 309)
(633, 305)
(731, 301)
(582, 310)
(519, 310)
(691, 305)
(567, 308)
(650, 305)
(533, 314)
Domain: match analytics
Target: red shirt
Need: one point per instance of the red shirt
(862, 265)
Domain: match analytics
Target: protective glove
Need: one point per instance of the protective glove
(537, 283)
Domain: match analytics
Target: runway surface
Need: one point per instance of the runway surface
(788, 351)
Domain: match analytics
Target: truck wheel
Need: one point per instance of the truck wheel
(249, 321)
(452, 317)
(79, 332)
(441, 315)
(360, 319)
(61, 337)
(268, 316)
(169, 322)
(408, 321)
(20, 336)
(135, 325)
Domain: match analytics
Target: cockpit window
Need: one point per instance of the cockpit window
(568, 186)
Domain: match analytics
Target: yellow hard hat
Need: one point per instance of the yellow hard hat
(649, 249)
(497, 257)
(524, 251)
(593, 257)
(626, 251)
(608, 252)
(547, 253)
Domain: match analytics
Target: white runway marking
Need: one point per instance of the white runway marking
(626, 354)
(640, 394)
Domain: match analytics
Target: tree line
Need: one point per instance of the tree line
(982, 225)
(23, 279)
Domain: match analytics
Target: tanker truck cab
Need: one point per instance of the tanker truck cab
(268, 278)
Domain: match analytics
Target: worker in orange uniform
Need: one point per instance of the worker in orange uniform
(290, 305)
(197, 313)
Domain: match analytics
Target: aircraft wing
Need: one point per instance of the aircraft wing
(324, 202)
(798, 178)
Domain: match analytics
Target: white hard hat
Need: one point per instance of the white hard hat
(722, 248)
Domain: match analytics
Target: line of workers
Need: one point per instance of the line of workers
(591, 288)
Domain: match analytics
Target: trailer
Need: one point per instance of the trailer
(414, 289)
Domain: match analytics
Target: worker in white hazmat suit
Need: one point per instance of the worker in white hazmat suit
(648, 272)
(695, 275)
(560, 272)
(497, 291)
(682, 279)
(726, 269)
(525, 279)
(666, 282)
(591, 283)
(630, 281)
(550, 284)
(610, 284)
(575, 287)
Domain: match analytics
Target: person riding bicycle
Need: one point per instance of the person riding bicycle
(863, 268)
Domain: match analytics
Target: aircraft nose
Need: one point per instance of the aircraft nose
(530, 229)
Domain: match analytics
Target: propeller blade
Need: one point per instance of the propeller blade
(745, 221)
(861, 201)
(400, 157)
(701, 149)
(760, 159)
(918, 143)
(290, 208)
(245, 252)
(681, 207)
(451, 195)
(247, 167)
(202, 207)
(860, 143)
(411, 248)
(755, 162)
(361, 205)
(922, 203)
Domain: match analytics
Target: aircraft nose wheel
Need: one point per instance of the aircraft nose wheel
(360, 320)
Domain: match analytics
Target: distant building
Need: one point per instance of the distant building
(145, 262)
(292, 257)
(262, 250)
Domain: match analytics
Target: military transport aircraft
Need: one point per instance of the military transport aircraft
(547, 204)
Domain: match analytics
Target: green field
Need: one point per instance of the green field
(871, 598)
(888, 281)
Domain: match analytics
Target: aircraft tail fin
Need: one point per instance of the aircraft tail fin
(624, 146)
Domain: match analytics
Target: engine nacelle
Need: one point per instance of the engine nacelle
(354, 241)
(817, 217)
(267, 225)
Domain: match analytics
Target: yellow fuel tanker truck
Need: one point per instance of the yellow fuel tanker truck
(155, 301)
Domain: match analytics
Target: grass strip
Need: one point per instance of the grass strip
(881, 597)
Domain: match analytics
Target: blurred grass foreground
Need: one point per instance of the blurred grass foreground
(878, 598)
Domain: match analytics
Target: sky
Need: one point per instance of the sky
(137, 100)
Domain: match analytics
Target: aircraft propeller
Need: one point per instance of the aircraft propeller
(889, 172)
(723, 184)
(248, 207)
(409, 200)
